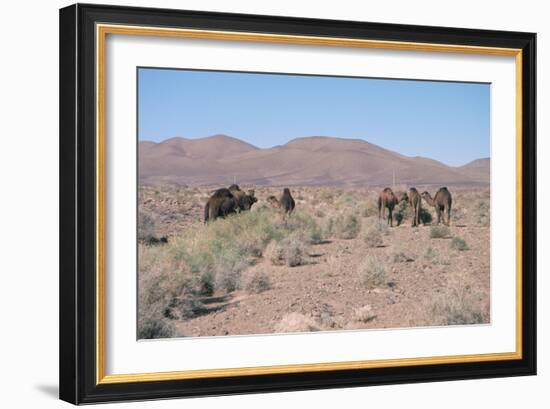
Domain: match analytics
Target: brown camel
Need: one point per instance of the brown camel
(415, 200)
(244, 200)
(388, 200)
(442, 203)
(220, 204)
(287, 201)
(273, 201)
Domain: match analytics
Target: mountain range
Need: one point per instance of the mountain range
(307, 161)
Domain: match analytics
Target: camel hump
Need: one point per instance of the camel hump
(444, 188)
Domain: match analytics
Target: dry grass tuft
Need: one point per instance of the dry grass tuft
(258, 283)
(463, 306)
(372, 272)
(296, 322)
(439, 232)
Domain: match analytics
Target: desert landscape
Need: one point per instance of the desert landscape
(332, 264)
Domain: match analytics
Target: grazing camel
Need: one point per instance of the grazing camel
(388, 200)
(415, 200)
(442, 203)
(273, 201)
(220, 204)
(244, 200)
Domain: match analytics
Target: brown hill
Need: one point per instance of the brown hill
(313, 160)
(479, 169)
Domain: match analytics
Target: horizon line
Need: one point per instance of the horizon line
(307, 137)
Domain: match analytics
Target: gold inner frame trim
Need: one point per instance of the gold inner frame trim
(101, 32)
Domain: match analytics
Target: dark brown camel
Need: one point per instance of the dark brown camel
(220, 204)
(244, 200)
(415, 200)
(388, 200)
(286, 203)
(442, 203)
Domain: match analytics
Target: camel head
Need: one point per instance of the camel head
(272, 200)
(428, 198)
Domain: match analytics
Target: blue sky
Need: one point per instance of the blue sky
(445, 121)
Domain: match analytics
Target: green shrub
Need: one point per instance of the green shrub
(402, 211)
(439, 232)
(425, 216)
(166, 290)
(459, 244)
(372, 272)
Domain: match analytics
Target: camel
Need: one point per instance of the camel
(415, 200)
(227, 201)
(220, 204)
(285, 203)
(388, 200)
(273, 201)
(244, 200)
(442, 202)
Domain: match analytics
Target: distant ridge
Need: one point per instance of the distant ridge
(314, 160)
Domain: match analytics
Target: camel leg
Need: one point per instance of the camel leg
(449, 216)
(438, 211)
(418, 209)
(390, 217)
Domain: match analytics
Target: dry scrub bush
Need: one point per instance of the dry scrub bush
(432, 256)
(146, 225)
(439, 232)
(372, 272)
(459, 244)
(296, 322)
(290, 251)
(369, 208)
(399, 256)
(347, 226)
(258, 282)
(363, 314)
(460, 307)
(483, 212)
(166, 290)
(373, 235)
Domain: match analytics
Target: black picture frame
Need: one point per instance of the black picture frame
(78, 360)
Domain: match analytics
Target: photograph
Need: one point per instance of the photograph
(274, 203)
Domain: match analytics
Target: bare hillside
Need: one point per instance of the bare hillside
(309, 161)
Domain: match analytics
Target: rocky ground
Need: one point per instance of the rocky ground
(354, 274)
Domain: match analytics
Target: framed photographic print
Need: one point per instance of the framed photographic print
(258, 203)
